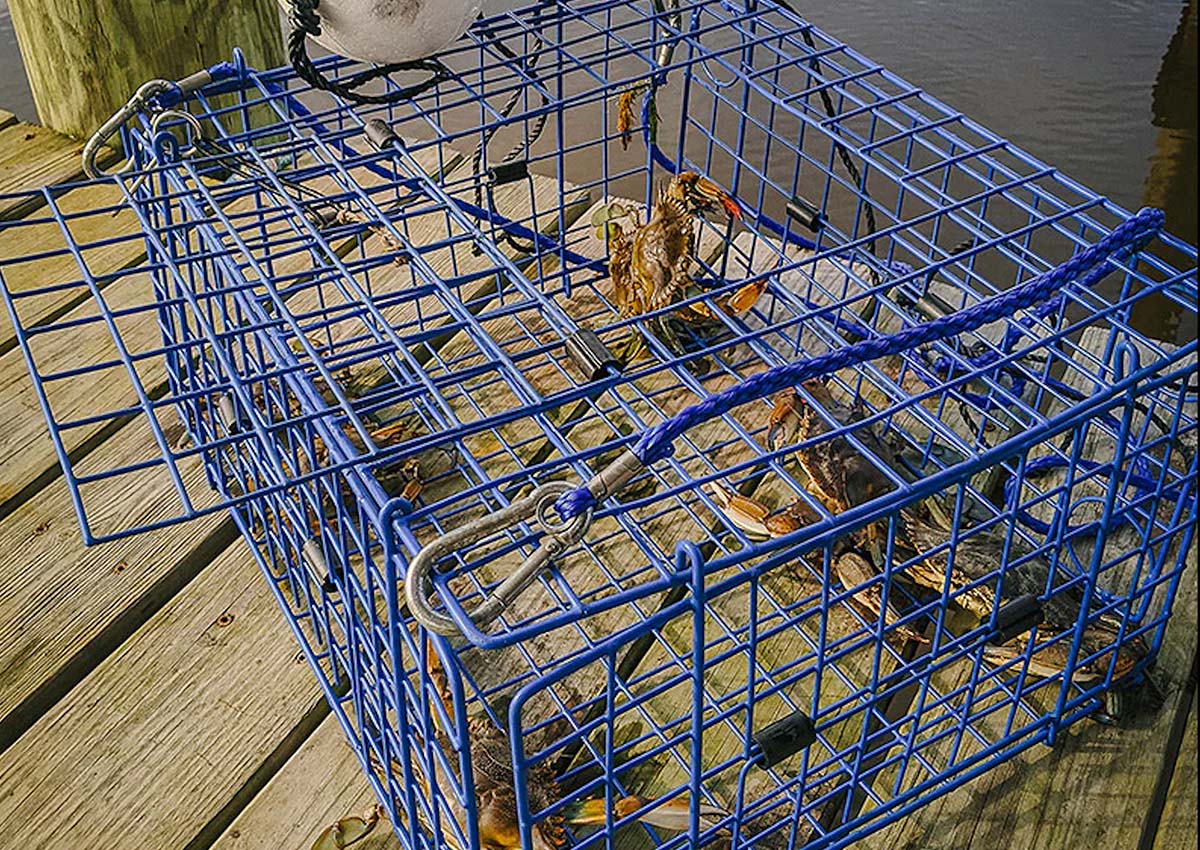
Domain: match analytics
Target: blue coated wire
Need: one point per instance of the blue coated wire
(656, 443)
(246, 263)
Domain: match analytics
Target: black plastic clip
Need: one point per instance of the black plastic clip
(380, 133)
(784, 738)
(508, 172)
(590, 354)
(1017, 617)
(806, 213)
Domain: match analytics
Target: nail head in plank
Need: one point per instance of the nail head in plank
(64, 607)
(149, 748)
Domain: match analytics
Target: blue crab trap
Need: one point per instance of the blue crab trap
(870, 485)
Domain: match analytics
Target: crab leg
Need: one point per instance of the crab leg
(852, 571)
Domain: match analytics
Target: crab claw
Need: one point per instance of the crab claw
(593, 811)
(731, 206)
(673, 814)
(744, 513)
(1051, 653)
(704, 194)
(786, 423)
(746, 297)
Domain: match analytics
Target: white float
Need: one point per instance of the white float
(386, 31)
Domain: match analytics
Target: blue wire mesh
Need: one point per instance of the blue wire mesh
(356, 347)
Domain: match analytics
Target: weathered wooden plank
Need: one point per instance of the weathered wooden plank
(57, 265)
(25, 451)
(32, 157)
(63, 607)
(1095, 786)
(96, 215)
(7, 119)
(1097, 783)
(151, 748)
(320, 784)
(1177, 828)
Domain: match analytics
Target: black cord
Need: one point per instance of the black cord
(305, 22)
(842, 152)
(522, 148)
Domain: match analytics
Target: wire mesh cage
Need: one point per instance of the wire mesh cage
(373, 332)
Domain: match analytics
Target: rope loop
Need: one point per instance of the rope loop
(306, 22)
(575, 503)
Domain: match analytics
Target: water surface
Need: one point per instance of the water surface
(1104, 91)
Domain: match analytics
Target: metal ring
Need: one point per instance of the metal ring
(548, 519)
(188, 118)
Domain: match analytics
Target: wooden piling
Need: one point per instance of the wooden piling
(85, 57)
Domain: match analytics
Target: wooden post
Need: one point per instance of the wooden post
(1171, 183)
(85, 57)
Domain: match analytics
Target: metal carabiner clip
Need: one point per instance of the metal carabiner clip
(558, 537)
(156, 122)
(134, 106)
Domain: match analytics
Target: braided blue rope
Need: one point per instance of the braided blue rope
(946, 367)
(1088, 267)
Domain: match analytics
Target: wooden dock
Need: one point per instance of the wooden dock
(152, 697)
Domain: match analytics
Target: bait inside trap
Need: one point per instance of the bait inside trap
(365, 329)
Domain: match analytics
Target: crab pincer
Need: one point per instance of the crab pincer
(784, 426)
(756, 520)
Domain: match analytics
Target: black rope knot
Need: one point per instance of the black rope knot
(306, 22)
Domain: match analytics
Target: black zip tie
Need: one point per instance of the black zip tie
(842, 152)
(521, 150)
(806, 213)
(306, 22)
(508, 172)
